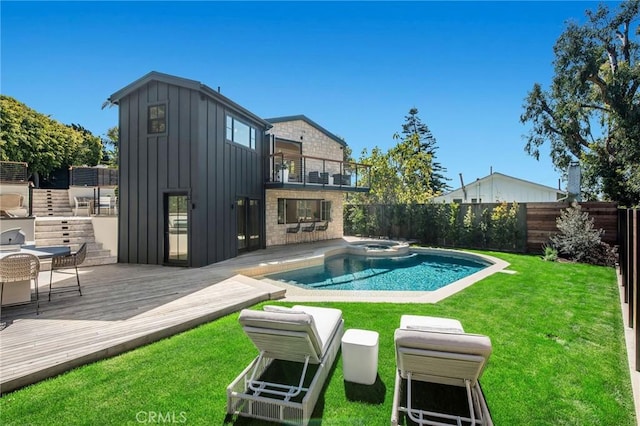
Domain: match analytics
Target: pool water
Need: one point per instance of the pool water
(413, 272)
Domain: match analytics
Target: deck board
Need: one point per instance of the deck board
(122, 307)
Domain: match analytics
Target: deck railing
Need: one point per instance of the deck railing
(307, 170)
(13, 172)
(93, 176)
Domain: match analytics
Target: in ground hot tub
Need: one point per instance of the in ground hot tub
(378, 248)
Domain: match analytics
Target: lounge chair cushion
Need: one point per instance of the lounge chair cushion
(463, 343)
(434, 329)
(301, 322)
(327, 321)
(281, 309)
(430, 323)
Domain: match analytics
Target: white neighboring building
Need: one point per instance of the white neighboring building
(498, 187)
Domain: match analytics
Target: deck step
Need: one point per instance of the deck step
(50, 202)
(73, 232)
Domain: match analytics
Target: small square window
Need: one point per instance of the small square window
(157, 119)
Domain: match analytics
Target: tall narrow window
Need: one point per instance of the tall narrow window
(157, 119)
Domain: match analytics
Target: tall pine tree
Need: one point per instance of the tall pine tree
(414, 126)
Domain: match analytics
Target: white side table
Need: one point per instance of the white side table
(360, 356)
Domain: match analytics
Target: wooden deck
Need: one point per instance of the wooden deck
(124, 306)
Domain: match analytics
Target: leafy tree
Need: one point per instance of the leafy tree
(110, 145)
(412, 126)
(404, 174)
(413, 167)
(591, 113)
(384, 180)
(43, 143)
(89, 151)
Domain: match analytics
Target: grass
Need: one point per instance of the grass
(558, 359)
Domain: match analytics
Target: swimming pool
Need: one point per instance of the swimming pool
(410, 272)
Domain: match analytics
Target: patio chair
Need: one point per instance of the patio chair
(106, 203)
(307, 337)
(19, 267)
(293, 230)
(437, 350)
(81, 204)
(68, 261)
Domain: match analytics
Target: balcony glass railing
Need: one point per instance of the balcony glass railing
(306, 170)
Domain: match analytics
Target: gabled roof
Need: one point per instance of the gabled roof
(309, 122)
(502, 175)
(186, 83)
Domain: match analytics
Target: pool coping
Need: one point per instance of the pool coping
(298, 294)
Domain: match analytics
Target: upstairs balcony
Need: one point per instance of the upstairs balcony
(290, 171)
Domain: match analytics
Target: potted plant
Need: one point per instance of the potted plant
(283, 171)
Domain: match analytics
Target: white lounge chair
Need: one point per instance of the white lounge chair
(302, 334)
(437, 350)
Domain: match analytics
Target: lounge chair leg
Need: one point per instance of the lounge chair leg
(417, 415)
(259, 386)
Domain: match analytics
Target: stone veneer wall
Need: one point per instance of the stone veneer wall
(276, 233)
(314, 142)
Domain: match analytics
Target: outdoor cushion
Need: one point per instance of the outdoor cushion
(473, 344)
(433, 329)
(281, 309)
(416, 321)
(302, 322)
(326, 321)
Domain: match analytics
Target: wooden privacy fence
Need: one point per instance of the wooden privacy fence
(541, 221)
(628, 227)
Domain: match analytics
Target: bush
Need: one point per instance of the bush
(550, 254)
(579, 241)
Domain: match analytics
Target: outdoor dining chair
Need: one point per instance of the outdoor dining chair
(292, 230)
(309, 229)
(19, 267)
(68, 261)
(106, 203)
(322, 230)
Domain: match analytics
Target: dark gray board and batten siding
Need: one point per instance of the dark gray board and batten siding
(191, 156)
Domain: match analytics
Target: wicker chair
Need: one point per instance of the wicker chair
(68, 261)
(20, 267)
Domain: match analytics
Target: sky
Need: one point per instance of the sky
(355, 68)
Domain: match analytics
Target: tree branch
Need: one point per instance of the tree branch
(598, 107)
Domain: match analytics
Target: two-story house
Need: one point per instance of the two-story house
(202, 179)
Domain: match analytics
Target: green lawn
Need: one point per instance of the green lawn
(558, 359)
